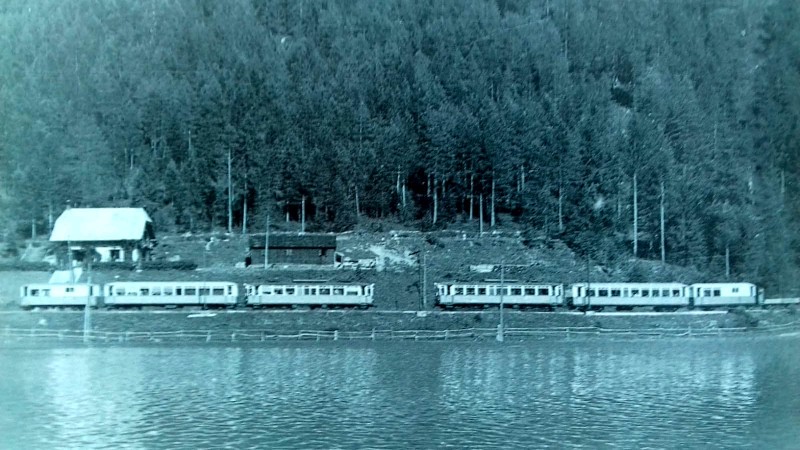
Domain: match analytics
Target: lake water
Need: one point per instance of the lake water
(697, 393)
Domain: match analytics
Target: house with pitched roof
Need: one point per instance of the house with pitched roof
(104, 235)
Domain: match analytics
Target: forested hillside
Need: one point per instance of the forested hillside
(588, 121)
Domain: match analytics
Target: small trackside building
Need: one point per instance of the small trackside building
(293, 248)
(104, 235)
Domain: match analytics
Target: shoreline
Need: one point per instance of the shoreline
(224, 326)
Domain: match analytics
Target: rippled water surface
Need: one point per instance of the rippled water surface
(739, 393)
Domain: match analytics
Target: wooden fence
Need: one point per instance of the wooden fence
(10, 335)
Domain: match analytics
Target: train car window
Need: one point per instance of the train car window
(155, 291)
(34, 292)
(615, 292)
(481, 291)
(470, 291)
(45, 292)
(204, 291)
(665, 293)
(144, 291)
(289, 291)
(592, 293)
(351, 292)
(69, 289)
(230, 290)
(656, 293)
(625, 292)
(516, 291)
(735, 290)
(716, 293)
(602, 292)
(634, 292)
(276, 291)
(324, 291)
(676, 292)
(530, 291)
(502, 291)
(458, 290)
(218, 291)
(168, 291)
(191, 291)
(544, 291)
(645, 292)
(706, 292)
(306, 291)
(178, 291)
(338, 291)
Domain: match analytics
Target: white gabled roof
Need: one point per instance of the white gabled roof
(100, 224)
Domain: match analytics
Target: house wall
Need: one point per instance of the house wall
(319, 256)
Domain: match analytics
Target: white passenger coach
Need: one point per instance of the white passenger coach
(309, 294)
(32, 295)
(630, 294)
(462, 294)
(146, 293)
(717, 294)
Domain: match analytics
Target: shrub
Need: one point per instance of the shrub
(169, 265)
(26, 266)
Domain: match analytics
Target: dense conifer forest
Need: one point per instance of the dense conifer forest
(656, 129)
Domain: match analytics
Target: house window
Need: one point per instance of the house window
(323, 251)
(116, 255)
(288, 252)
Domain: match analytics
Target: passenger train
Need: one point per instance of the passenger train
(597, 296)
(204, 294)
(449, 295)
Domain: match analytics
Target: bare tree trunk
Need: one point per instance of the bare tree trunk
(230, 195)
(493, 216)
(358, 205)
(404, 195)
(397, 186)
(560, 203)
(435, 202)
(663, 230)
(50, 217)
(244, 206)
(303, 215)
(727, 261)
(635, 218)
(33, 228)
(471, 197)
(480, 213)
(522, 178)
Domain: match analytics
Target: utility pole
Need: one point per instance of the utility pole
(480, 214)
(87, 315)
(635, 218)
(303, 215)
(266, 246)
(663, 231)
(230, 195)
(424, 280)
(500, 330)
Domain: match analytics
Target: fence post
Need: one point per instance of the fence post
(335, 335)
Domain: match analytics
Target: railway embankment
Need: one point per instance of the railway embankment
(226, 324)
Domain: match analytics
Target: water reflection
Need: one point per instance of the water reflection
(658, 394)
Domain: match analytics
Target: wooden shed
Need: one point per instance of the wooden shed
(293, 248)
